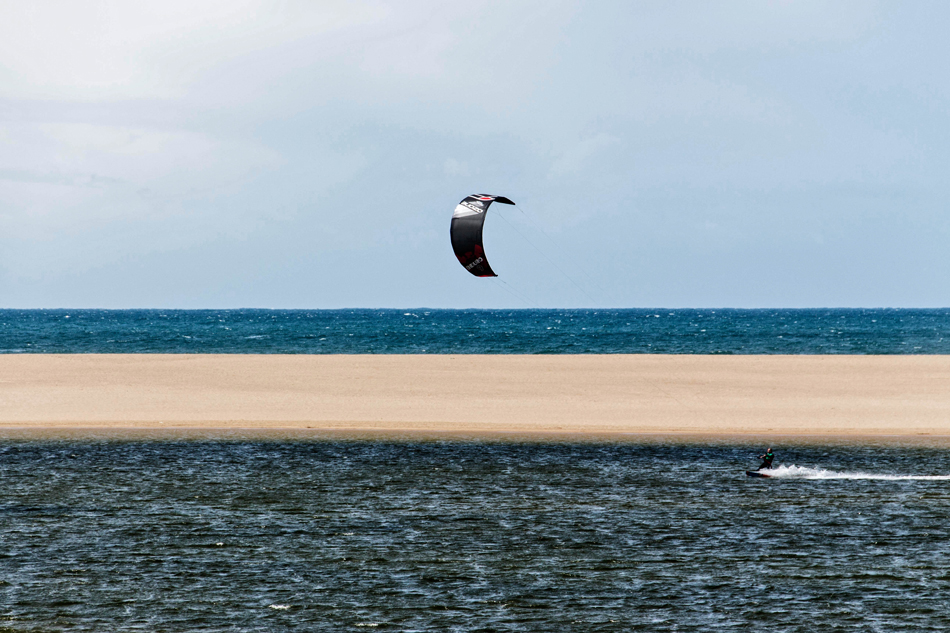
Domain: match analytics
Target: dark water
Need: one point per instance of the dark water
(661, 331)
(466, 536)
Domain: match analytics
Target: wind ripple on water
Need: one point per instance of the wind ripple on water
(461, 536)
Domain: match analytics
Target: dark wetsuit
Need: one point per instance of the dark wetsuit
(766, 460)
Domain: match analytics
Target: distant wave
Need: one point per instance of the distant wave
(429, 331)
(803, 472)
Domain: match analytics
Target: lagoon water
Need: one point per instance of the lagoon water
(423, 331)
(331, 535)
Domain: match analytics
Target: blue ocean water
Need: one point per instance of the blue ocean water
(424, 331)
(327, 535)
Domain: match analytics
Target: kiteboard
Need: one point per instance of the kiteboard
(756, 473)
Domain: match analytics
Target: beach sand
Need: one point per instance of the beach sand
(750, 396)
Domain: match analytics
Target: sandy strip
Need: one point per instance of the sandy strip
(759, 396)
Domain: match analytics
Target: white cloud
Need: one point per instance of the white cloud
(120, 50)
(95, 155)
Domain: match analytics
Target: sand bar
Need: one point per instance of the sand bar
(758, 396)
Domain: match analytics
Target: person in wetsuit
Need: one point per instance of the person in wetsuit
(766, 459)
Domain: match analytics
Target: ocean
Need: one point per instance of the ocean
(423, 331)
(331, 535)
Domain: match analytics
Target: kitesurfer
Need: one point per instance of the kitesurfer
(766, 459)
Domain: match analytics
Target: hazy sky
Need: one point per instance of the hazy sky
(309, 154)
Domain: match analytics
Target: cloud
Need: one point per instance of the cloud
(578, 156)
(120, 50)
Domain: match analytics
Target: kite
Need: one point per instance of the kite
(466, 233)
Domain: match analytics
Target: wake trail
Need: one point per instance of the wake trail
(803, 472)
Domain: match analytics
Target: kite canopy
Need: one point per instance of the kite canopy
(466, 232)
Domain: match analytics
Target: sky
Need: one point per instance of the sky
(240, 153)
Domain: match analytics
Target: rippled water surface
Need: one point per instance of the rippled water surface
(640, 331)
(465, 536)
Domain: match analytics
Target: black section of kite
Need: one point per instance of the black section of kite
(466, 232)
